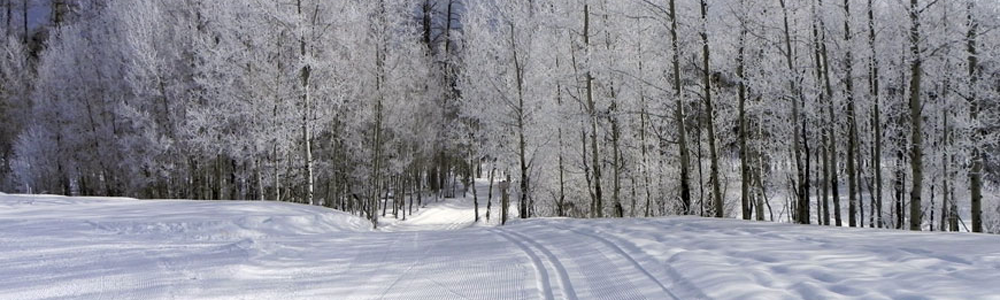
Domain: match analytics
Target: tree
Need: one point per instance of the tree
(876, 122)
(743, 127)
(679, 118)
(304, 75)
(16, 76)
(852, 126)
(975, 104)
(710, 113)
(597, 204)
(8, 18)
(583, 102)
(916, 118)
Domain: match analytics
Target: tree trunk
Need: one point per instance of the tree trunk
(852, 127)
(304, 75)
(395, 197)
(598, 206)
(823, 75)
(822, 211)
(945, 180)
(710, 113)
(489, 199)
(260, 180)
(643, 116)
(385, 196)
(916, 120)
(414, 189)
(376, 180)
(616, 159)
(701, 166)
(758, 182)
(521, 145)
(832, 130)
(404, 188)
(976, 171)
(234, 185)
(475, 196)
(560, 203)
(10, 26)
(685, 156)
(798, 119)
(873, 79)
(505, 199)
(742, 94)
(900, 188)
(825, 185)
(420, 192)
(217, 178)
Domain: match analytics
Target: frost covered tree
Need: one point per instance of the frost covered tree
(769, 110)
(16, 77)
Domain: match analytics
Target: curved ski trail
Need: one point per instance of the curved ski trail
(672, 288)
(628, 258)
(600, 270)
(543, 278)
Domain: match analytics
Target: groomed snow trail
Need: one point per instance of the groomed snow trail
(55, 247)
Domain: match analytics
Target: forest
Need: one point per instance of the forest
(857, 113)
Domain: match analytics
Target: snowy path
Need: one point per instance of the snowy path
(448, 214)
(84, 248)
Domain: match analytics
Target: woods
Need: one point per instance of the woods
(769, 110)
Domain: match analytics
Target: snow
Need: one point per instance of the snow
(54, 247)
(450, 214)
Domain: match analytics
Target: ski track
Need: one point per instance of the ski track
(600, 274)
(644, 264)
(544, 285)
(627, 257)
(564, 279)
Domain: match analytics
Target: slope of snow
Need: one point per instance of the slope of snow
(88, 248)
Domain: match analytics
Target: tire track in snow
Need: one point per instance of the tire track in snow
(629, 258)
(692, 293)
(541, 274)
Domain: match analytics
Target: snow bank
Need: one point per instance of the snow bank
(173, 219)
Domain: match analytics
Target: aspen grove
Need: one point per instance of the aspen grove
(857, 113)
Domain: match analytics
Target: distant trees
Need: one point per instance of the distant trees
(15, 104)
(758, 109)
(843, 100)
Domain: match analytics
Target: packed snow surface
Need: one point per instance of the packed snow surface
(55, 247)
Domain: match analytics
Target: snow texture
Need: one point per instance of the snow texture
(54, 247)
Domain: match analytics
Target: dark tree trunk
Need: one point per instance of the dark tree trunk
(916, 120)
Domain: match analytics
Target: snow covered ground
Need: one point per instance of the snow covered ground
(55, 247)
